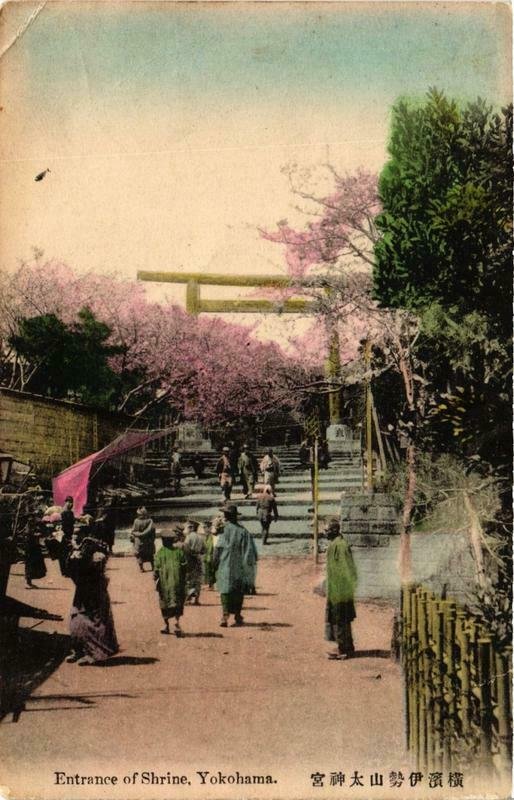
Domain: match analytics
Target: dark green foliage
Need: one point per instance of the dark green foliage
(445, 252)
(446, 225)
(62, 359)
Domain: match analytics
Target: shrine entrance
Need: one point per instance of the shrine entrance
(195, 304)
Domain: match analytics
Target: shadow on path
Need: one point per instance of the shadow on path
(121, 661)
(372, 654)
(48, 588)
(265, 626)
(85, 701)
(27, 663)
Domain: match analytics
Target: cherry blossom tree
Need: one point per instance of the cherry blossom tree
(331, 258)
(202, 368)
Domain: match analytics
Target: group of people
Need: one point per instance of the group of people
(233, 464)
(190, 556)
(226, 556)
(223, 555)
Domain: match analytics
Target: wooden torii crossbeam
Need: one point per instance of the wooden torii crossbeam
(196, 305)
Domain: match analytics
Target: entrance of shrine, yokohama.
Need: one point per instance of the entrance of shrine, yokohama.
(196, 305)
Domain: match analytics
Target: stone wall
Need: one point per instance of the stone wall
(369, 515)
(440, 561)
(52, 434)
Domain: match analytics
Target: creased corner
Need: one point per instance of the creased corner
(21, 30)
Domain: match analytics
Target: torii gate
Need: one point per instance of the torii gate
(195, 305)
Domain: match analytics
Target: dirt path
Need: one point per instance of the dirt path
(262, 699)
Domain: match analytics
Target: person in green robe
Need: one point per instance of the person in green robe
(216, 527)
(235, 561)
(170, 572)
(341, 584)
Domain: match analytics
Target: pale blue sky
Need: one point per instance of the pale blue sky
(165, 126)
(256, 53)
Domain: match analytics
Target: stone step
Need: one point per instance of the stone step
(284, 487)
(283, 528)
(214, 499)
(298, 511)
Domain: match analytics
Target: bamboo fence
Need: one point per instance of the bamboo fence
(457, 687)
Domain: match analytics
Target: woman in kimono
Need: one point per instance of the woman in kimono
(91, 623)
(143, 538)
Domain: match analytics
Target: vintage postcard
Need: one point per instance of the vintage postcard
(255, 400)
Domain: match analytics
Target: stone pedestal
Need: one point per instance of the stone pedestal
(338, 434)
(191, 438)
(369, 519)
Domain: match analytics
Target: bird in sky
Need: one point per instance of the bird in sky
(41, 175)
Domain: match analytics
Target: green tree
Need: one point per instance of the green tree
(446, 223)
(445, 252)
(58, 359)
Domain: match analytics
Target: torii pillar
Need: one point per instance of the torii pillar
(196, 305)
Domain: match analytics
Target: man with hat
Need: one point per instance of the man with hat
(235, 561)
(247, 466)
(170, 571)
(341, 583)
(225, 473)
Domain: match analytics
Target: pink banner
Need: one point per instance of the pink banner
(74, 480)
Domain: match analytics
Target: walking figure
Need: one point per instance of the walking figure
(266, 509)
(225, 473)
(216, 527)
(194, 548)
(143, 538)
(170, 571)
(235, 561)
(91, 623)
(270, 467)
(247, 467)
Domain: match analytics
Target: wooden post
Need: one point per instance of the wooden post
(369, 429)
(464, 673)
(315, 498)
(422, 709)
(405, 608)
(193, 297)
(383, 462)
(486, 714)
(438, 623)
(414, 697)
(333, 369)
(449, 679)
(503, 712)
(95, 432)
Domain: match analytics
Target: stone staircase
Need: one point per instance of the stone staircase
(201, 498)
